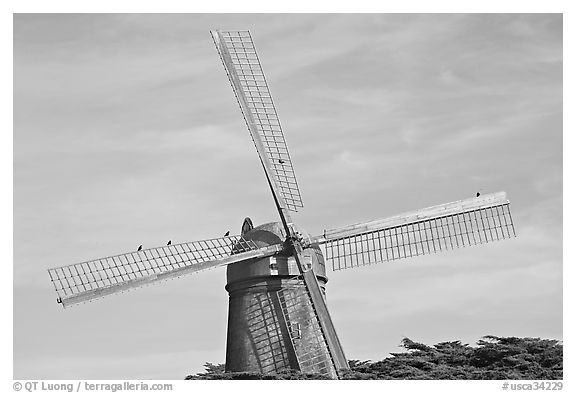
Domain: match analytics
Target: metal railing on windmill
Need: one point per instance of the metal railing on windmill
(276, 276)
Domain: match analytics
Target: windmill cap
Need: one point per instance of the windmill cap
(278, 265)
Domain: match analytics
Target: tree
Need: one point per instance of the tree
(493, 358)
(216, 371)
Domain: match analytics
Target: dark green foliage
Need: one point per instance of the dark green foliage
(217, 372)
(493, 358)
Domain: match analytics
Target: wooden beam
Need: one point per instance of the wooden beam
(321, 310)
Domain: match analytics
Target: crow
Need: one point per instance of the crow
(477, 194)
(281, 161)
(227, 233)
(140, 248)
(169, 242)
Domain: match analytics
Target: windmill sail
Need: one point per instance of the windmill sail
(90, 280)
(310, 347)
(434, 229)
(243, 67)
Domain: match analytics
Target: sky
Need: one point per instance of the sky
(126, 132)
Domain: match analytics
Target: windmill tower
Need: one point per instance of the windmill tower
(276, 272)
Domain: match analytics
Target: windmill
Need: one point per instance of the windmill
(276, 272)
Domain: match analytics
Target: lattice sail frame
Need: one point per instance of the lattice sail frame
(296, 305)
(449, 226)
(93, 279)
(238, 54)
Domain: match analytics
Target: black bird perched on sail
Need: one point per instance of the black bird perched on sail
(281, 161)
(140, 248)
(169, 242)
(227, 233)
(477, 194)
